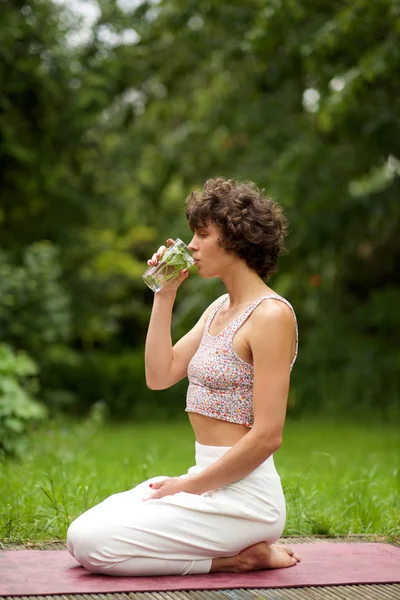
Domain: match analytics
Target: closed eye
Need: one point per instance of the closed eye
(201, 232)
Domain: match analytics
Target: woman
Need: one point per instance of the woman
(226, 513)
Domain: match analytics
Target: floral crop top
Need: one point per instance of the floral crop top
(220, 382)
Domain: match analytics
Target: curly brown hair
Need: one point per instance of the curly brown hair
(252, 225)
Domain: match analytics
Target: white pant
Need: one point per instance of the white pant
(179, 534)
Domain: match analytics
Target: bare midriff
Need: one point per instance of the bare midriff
(213, 432)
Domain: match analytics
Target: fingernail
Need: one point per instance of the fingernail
(185, 271)
(150, 485)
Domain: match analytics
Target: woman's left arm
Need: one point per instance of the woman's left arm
(271, 341)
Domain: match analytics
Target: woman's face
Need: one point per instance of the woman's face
(211, 259)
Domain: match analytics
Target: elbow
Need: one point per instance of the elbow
(276, 443)
(269, 442)
(152, 381)
(272, 444)
(273, 440)
(156, 379)
(154, 385)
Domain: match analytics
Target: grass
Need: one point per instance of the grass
(339, 478)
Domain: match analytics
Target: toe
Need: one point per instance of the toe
(292, 554)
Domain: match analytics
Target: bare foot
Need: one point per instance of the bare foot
(261, 556)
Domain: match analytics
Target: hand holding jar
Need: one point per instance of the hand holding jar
(168, 267)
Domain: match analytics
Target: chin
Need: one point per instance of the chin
(208, 275)
(204, 275)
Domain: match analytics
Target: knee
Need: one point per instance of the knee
(88, 544)
(79, 540)
(72, 534)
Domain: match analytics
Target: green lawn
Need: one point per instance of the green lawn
(339, 478)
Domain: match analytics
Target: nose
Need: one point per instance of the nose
(192, 244)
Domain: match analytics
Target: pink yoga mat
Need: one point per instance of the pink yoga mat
(39, 572)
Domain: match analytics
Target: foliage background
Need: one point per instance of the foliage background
(102, 136)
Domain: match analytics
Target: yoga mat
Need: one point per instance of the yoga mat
(40, 572)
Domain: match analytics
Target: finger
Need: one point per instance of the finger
(146, 498)
(156, 256)
(183, 274)
(157, 485)
(170, 241)
(156, 495)
(181, 277)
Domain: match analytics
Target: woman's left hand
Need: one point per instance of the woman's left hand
(168, 487)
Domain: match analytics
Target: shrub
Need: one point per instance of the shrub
(18, 409)
(35, 309)
(74, 382)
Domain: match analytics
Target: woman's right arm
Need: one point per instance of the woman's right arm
(166, 365)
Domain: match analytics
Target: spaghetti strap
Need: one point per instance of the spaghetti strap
(234, 326)
(214, 312)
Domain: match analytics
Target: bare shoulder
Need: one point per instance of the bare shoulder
(273, 334)
(273, 314)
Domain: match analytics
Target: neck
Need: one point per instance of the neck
(243, 285)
